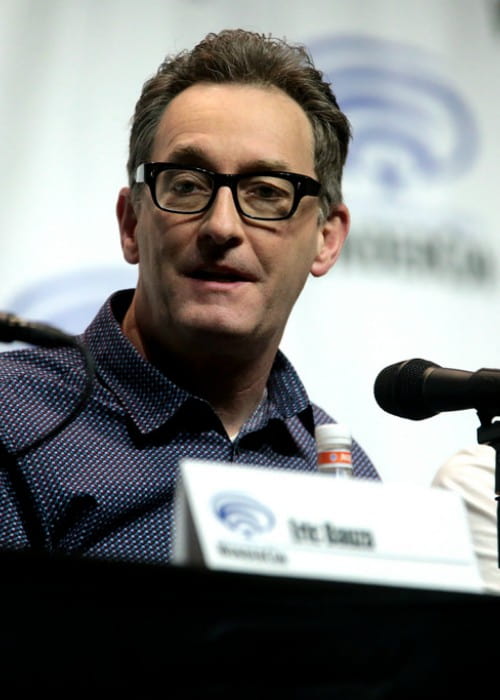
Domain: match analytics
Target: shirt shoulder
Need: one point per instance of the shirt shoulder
(36, 387)
(17, 367)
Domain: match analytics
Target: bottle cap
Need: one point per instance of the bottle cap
(332, 435)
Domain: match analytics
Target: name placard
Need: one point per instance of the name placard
(269, 521)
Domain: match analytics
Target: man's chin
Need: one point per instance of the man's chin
(219, 332)
(225, 331)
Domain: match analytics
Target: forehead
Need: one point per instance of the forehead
(236, 125)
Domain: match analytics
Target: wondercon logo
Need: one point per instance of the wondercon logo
(242, 514)
(69, 301)
(411, 124)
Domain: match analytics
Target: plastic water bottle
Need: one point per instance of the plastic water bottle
(333, 447)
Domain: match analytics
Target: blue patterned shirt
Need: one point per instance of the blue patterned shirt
(104, 485)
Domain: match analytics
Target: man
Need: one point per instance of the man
(234, 198)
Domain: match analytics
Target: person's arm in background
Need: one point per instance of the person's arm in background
(471, 473)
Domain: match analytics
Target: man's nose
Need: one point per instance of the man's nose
(222, 221)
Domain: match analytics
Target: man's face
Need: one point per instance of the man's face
(216, 277)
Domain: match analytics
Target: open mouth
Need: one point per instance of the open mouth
(218, 276)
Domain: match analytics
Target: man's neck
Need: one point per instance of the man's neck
(234, 390)
(232, 383)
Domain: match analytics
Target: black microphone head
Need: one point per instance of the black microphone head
(398, 389)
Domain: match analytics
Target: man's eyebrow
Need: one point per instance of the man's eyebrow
(189, 155)
(192, 155)
(263, 164)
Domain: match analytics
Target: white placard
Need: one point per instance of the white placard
(311, 525)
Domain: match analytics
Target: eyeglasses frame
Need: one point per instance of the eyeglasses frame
(146, 173)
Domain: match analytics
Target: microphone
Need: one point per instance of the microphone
(419, 389)
(13, 327)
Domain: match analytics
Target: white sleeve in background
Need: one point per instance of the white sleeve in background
(471, 473)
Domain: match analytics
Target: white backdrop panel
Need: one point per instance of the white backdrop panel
(419, 278)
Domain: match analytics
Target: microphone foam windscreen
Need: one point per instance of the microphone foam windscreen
(398, 389)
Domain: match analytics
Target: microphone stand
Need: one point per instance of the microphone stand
(489, 434)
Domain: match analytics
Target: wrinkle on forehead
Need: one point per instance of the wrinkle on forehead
(249, 126)
(191, 154)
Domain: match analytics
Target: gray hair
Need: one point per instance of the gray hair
(244, 57)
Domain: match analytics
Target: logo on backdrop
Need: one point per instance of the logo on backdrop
(415, 136)
(70, 301)
(242, 514)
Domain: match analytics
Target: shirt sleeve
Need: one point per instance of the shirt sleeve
(471, 474)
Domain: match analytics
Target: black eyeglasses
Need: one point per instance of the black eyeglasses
(267, 195)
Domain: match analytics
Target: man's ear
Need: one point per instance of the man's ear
(127, 222)
(331, 237)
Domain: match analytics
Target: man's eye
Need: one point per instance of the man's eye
(265, 190)
(183, 186)
(186, 185)
(182, 183)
